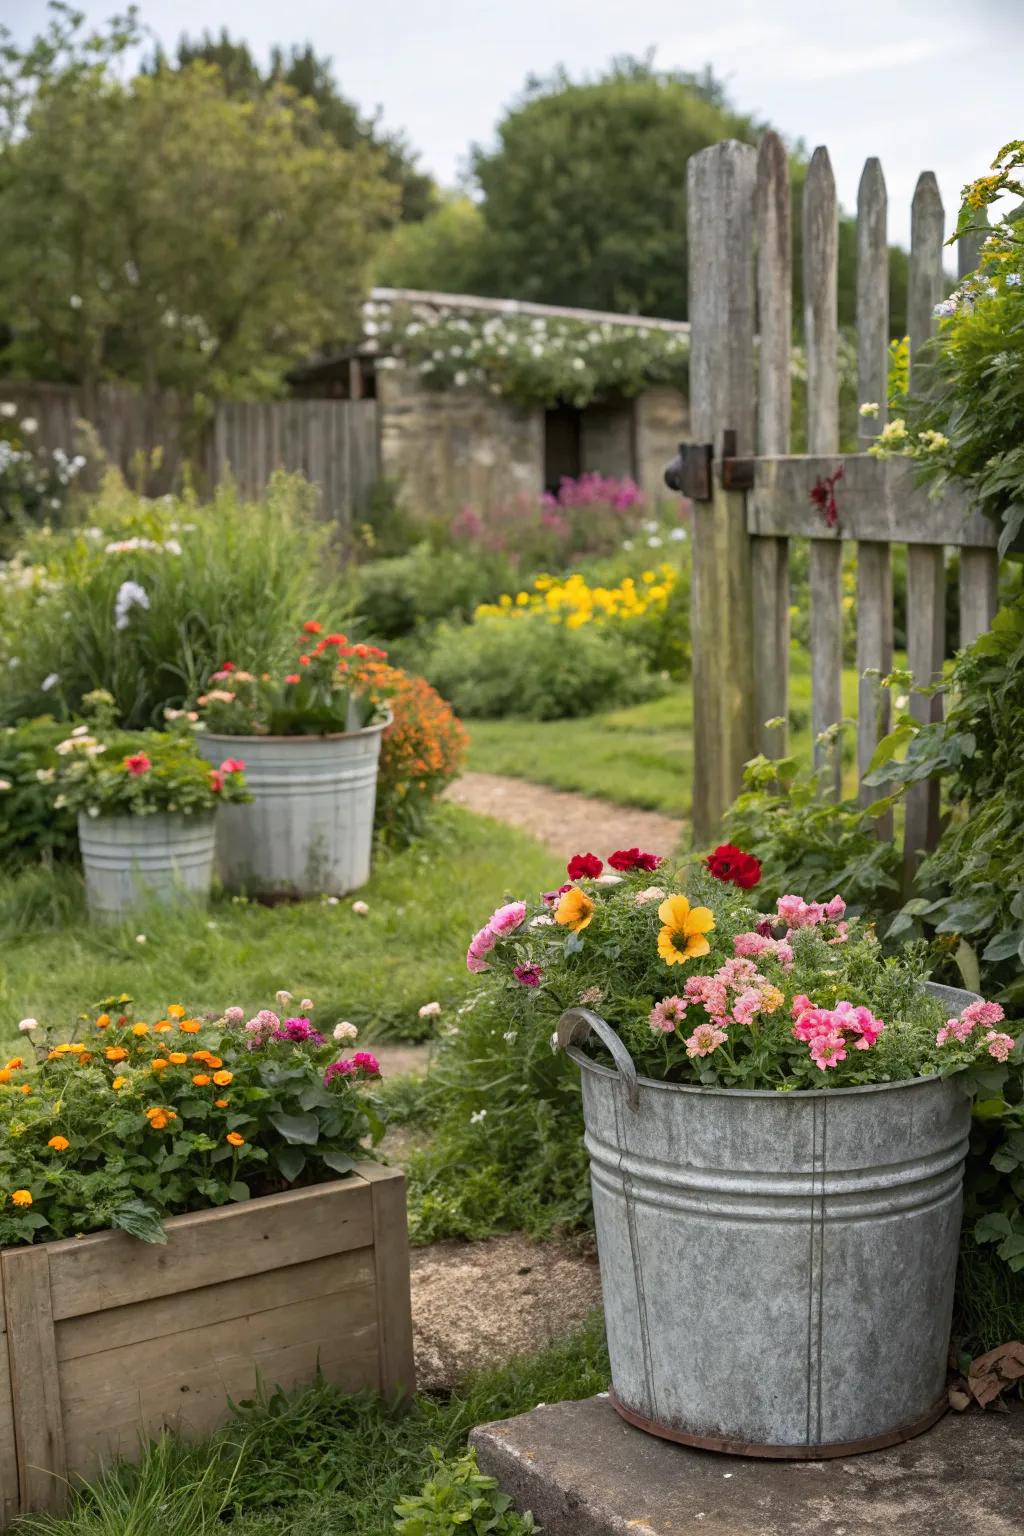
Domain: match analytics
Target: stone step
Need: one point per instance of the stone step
(584, 1472)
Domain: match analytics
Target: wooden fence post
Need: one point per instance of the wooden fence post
(720, 217)
(979, 568)
(874, 562)
(926, 569)
(821, 339)
(774, 397)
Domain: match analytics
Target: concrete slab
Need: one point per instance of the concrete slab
(584, 1472)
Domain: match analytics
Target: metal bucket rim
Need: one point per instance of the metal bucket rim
(365, 730)
(147, 818)
(779, 1094)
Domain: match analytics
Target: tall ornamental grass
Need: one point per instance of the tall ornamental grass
(149, 597)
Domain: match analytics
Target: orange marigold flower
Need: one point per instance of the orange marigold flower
(158, 1121)
(24, 1087)
(22, 1197)
(115, 1053)
(213, 1062)
(119, 1082)
(201, 1079)
(234, 1139)
(223, 1078)
(14, 1063)
(201, 1056)
(158, 1064)
(190, 1026)
(58, 1143)
(221, 1103)
(5, 1074)
(178, 1058)
(176, 1011)
(103, 1021)
(140, 1030)
(160, 1026)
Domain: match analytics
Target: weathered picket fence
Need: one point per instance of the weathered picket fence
(758, 495)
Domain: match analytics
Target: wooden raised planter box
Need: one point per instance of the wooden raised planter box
(105, 1341)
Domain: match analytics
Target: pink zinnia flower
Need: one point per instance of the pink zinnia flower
(705, 1039)
(828, 1051)
(482, 942)
(298, 1030)
(982, 1013)
(507, 917)
(528, 975)
(999, 1045)
(232, 765)
(667, 1014)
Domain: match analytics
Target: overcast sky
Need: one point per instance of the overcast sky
(924, 84)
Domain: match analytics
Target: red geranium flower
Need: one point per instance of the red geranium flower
(311, 627)
(731, 864)
(232, 765)
(633, 858)
(138, 764)
(293, 677)
(216, 780)
(227, 666)
(584, 866)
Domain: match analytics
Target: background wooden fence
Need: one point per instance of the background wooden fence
(334, 443)
(760, 495)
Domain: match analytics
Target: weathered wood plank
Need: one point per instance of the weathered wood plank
(720, 220)
(826, 656)
(926, 623)
(821, 314)
(394, 1305)
(872, 297)
(8, 1456)
(35, 1382)
(111, 1269)
(968, 247)
(874, 657)
(878, 500)
(979, 592)
(182, 1381)
(924, 280)
(770, 557)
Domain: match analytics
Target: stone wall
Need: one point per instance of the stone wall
(456, 448)
(662, 423)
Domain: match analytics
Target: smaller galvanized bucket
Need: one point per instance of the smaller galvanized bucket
(777, 1268)
(309, 828)
(132, 860)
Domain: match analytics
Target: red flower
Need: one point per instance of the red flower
(311, 627)
(733, 865)
(293, 677)
(232, 765)
(584, 865)
(227, 666)
(633, 858)
(138, 764)
(303, 661)
(216, 780)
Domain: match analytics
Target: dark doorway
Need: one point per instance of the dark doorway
(562, 440)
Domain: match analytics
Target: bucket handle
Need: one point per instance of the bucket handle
(574, 1027)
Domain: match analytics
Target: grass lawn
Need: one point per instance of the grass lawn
(638, 756)
(425, 903)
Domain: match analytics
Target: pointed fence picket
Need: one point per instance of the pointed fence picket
(739, 227)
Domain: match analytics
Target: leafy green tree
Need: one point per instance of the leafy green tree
(313, 79)
(165, 232)
(450, 251)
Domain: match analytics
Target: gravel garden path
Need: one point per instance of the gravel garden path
(566, 823)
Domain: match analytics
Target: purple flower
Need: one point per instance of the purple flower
(529, 975)
(299, 1030)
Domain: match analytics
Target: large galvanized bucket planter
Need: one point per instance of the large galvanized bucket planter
(132, 860)
(309, 827)
(777, 1268)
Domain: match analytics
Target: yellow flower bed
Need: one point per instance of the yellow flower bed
(573, 603)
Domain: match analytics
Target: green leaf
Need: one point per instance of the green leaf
(339, 1161)
(301, 1130)
(989, 1109)
(139, 1220)
(967, 964)
(291, 1161)
(1005, 944)
(992, 1228)
(239, 1191)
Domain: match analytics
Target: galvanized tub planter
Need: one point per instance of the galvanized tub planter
(132, 860)
(777, 1267)
(309, 827)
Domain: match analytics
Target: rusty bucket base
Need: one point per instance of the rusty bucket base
(783, 1452)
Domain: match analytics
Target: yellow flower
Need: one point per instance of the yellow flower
(22, 1197)
(176, 1011)
(178, 1058)
(189, 1026)
(119, 1082)
(103, 1021)
(115, 1053)
(682, 936)
(5, 1074)
(58, 1143)
(160, 1026)
(140, 1030)
(234, 1139)
(223, 1078)
(575, 910)
(771, 999)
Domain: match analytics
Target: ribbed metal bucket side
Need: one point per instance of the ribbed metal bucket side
(309, 828)
(777, 1268)
(131, 860)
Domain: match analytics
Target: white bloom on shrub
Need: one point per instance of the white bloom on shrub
(360, 908)
(307, 1005)
(430, 1010)
(608, 880)
(283, 996)
(129, 595)
(344, 1031)
(46, 775)
(50, 681)
(655, 541)
(509, 1037)
(554, 1040)
(8, 409)
(478, 1116)
(28, 1025)
(542, 920)
(75, 301)
(30, 425)
(140, 938)
(869, 408)
(333, 901)
(5, 784)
